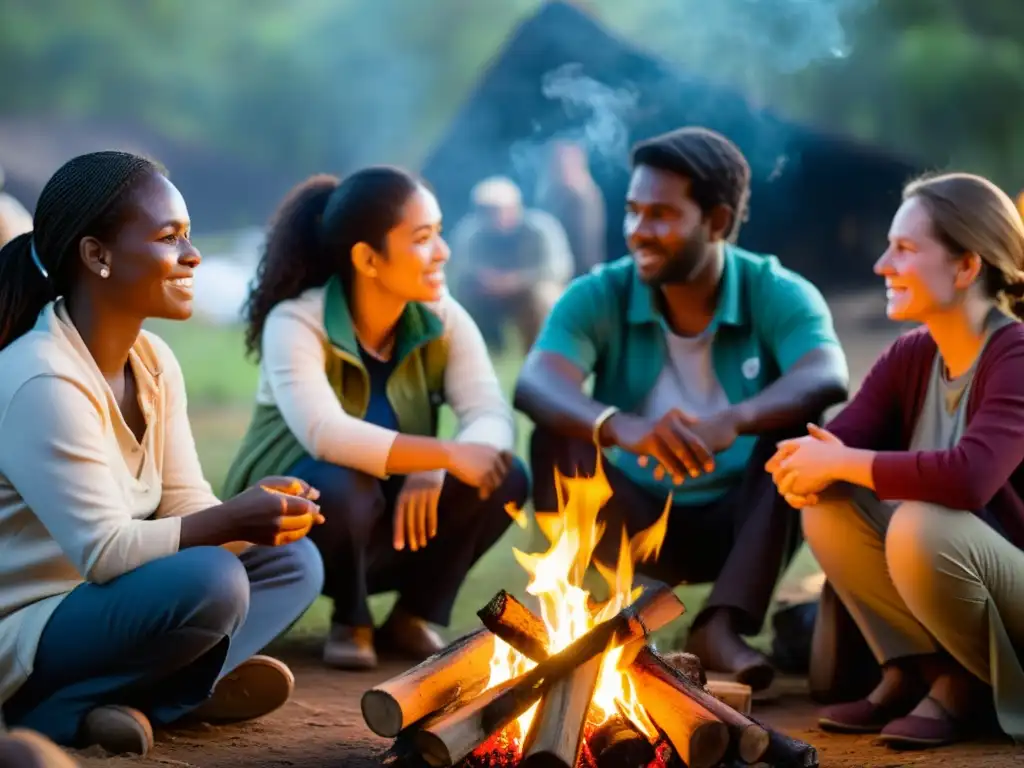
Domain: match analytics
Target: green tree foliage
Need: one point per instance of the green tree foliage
(317, 84)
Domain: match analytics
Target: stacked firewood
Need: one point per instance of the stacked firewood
(441, 712)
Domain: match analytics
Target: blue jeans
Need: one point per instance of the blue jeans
(356, 540)
(159, 638)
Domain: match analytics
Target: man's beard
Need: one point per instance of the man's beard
(684, 265)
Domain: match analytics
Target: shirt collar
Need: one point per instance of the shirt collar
(416, 326)
(730, 310)
(143, 358)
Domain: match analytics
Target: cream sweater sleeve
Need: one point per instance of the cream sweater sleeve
(471, 385)
(184, 487)
(52, 441)
(294, 361)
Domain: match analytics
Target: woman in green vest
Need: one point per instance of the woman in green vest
(359, 344)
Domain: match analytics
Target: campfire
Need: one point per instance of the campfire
(578, 686)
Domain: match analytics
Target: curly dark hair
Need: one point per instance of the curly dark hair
(313, 232)
(719, 174)
(85, 197)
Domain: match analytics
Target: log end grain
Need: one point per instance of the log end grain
(739, 696)
(616, 744)
(752, 743)
(708, 745)
(383, 715)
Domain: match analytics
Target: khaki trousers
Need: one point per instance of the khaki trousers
(920, 578)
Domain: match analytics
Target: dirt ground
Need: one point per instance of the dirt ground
(322, 726)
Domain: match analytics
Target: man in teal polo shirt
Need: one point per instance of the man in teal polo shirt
(703, 356)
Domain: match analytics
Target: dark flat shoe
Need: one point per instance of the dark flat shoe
(861, 716)
(916, 732)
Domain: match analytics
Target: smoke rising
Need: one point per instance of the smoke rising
(750, 45)
(598, 115)
(605, 110)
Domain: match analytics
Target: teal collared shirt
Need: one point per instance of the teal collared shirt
(608, 325)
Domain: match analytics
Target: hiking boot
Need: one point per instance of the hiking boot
(254, 689)
(118, 730)
(350, 648)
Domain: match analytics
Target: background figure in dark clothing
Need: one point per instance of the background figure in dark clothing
(359, 346)
(569, 193)
(703, 355)
(509, 264)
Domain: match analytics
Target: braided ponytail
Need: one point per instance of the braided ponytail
(84, 198)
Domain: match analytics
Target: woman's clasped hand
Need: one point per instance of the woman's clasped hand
(804, 467)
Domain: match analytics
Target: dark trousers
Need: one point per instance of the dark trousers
(356, 540)
(742, 542)
(159, 637)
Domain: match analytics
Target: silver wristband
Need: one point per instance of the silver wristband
(606, 414)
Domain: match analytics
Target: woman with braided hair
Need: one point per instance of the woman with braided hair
(913, 499)
(129, 594)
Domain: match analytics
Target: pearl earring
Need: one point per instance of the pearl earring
(104, 273)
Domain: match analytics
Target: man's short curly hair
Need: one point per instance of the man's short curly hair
(719, 174)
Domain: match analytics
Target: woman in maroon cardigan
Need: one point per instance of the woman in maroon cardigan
(913, 500)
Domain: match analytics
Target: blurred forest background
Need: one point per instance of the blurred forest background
(260, 93)
(309, 85)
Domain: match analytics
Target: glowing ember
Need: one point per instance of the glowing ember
(501, 751)
(556, 579)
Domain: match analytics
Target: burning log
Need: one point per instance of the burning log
(750, 738)
(617, 744)
(449, 737)
(517, 625)
(697, 735)
(460, 671)
(556, 736)
(523, 630)
(651, 611)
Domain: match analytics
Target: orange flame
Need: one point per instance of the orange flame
(519, 516)
(556, 580)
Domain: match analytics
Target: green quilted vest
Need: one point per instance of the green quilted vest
(415, 389)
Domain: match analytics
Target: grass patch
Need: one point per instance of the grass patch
(221, 384)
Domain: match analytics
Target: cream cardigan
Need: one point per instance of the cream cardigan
(80, 498)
